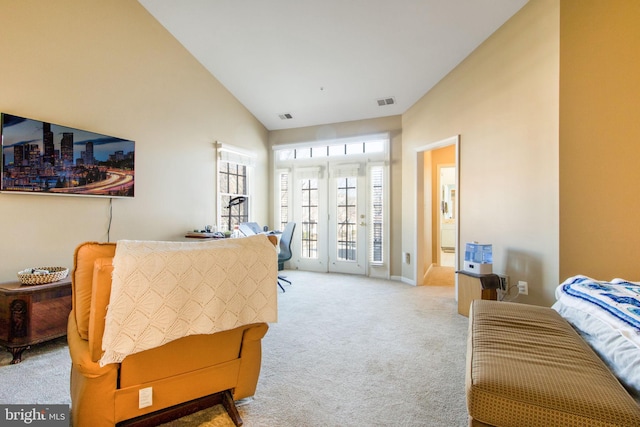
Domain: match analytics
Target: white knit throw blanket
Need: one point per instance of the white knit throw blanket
(162, 291)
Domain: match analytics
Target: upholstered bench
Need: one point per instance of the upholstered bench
(526, 366)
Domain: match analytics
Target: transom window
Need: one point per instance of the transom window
(332, 150)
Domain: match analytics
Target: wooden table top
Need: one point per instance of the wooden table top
(18, 287)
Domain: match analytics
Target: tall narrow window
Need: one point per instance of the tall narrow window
(234, 198)
(234, 188)
(346, 217)
(376, 214)
(284, 200)
(309, 218)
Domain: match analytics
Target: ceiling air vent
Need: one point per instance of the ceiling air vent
(285, 116)
(386, 101)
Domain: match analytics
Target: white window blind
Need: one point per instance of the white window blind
(376, 214)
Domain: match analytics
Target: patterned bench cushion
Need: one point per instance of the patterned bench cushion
(527, 366)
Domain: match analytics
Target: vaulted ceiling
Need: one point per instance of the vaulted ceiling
(330, 61)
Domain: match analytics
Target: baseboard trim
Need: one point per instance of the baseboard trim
(404, 280)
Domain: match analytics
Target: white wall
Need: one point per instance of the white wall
(109, 67)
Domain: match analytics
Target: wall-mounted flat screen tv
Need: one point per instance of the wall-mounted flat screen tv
(45, 158)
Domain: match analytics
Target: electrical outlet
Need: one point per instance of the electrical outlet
(523, 288)
(504, 282)
(145, 397)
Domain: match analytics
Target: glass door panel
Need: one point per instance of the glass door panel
(309, 210)
(309, 240)
(347, 226)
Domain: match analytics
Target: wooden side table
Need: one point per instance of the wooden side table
(475, 286)
(31, 314)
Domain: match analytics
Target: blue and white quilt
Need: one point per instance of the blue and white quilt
(616, 303)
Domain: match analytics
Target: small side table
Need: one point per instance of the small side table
(475, 286)
(31, 314)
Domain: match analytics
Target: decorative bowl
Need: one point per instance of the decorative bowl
(42, 275)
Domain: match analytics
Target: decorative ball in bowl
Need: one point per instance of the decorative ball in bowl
(42, 275)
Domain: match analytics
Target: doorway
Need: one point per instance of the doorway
(437, 213)
(342, 213)
(337, 192)
(446, 219)
(347, 222)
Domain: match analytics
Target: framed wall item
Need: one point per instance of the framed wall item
(45, 158)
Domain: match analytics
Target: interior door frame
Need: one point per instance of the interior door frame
(422, 205)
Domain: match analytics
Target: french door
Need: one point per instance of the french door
(347, 222)
(309, 196)
(330, 209)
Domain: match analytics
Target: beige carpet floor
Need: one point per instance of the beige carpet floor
(440, 276)
(346, 351)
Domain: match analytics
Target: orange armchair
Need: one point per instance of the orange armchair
(180, 371)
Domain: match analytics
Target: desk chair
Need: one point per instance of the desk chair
(285, 251)
(253, 226)
(246, 229)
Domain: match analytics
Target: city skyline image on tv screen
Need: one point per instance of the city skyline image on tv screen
(45, 158)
